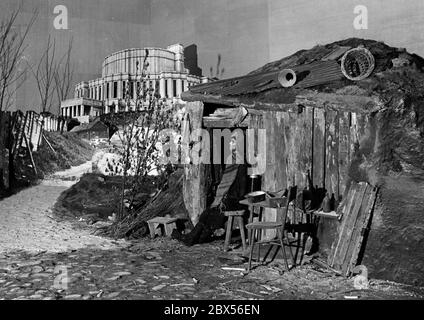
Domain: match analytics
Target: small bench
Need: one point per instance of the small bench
(168, 223)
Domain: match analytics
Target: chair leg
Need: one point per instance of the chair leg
(304, 239)
(280, 237)
(228, 233)
(252, 244)
(242, 233)
(290, 249)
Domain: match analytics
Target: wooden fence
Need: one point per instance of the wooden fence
(23, 130)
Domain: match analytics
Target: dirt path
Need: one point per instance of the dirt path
(26, 222)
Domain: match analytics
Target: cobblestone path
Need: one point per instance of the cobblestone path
(43, 258)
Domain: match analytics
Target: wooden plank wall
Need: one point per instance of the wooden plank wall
(315, 139)
(12, 127)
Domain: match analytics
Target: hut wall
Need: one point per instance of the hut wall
(320, 140)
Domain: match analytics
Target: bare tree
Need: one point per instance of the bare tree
(44, 74)
(12, 47)
(139, 134)
(64, 75)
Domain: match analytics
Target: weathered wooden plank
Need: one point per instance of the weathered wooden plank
(351, 241)
(290, 133)
(270, 176)
(222, 123)
(343, 157)
(343, 209)
(358, 236)
(196, 176)
(346, 232)
(305, 145)
(331, 153)
(280, 151)
(309, 98)
(318, 171)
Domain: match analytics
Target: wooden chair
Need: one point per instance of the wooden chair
(301, 226)
(279, 226)
(236, 216)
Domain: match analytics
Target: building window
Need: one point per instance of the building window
(131, 89)
(174, 87)
(157, 88)
(137, 90)
(107, 91)
(100, 93)
(166, 89)
(115, 89)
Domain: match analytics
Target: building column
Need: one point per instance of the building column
(162, 88)
(179, 87)
(170, 88)
(81, 110)
(120, 89)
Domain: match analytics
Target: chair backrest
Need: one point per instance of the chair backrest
(284, 210)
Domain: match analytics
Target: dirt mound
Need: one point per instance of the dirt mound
(69, 151)
(94, 194)
(383, 55)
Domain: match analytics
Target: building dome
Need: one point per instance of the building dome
(167, 76)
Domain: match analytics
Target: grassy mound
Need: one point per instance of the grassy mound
(69, 149)
(94, 194)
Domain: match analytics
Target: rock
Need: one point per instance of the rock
(119, 264)
(140, 281)
(36, 296)
(113, 295)
(123, 273)
(42, 275)
(29, 263)
(37, 269)
(113, 278)
(24, 275)
(159, 287)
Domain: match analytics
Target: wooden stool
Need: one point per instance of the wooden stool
(168, 223)
(238, 216)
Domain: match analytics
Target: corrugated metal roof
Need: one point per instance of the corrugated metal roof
(308, 75)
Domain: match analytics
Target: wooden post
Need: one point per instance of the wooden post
(48, 143)
(196, 176)
(30, 154)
